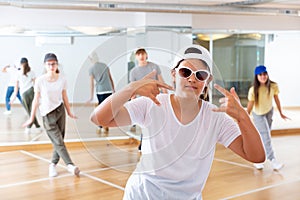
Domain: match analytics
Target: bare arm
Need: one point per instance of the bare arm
(4, 69)
(91, 89)
(248, 145)
(111, 80)
(277, 101)
(67, 104)
(14, 95)
(111, 112)
(250, 106)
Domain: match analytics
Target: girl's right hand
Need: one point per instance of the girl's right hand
(149, 87)
(27, 123)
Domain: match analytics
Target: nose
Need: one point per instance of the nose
(192, 78)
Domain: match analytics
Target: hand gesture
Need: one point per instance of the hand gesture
(149, 87)
(230, 103)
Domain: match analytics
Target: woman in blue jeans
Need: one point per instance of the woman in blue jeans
(260, 98)
(13, 73)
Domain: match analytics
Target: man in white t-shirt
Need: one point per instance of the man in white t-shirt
(180, 130)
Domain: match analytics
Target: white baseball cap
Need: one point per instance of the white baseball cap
(195, 52)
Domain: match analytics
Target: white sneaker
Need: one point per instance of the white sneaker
(73, 169)
(52, 170)
(39, 129)
(27, 130)
(7, 112)
(276, 165)
(258, 166)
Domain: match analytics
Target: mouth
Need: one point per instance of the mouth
(191, 87)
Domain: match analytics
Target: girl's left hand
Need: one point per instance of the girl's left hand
(72, 116)
(230, 103)
(284, 117)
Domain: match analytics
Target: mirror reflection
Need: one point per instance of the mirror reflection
(235, 55)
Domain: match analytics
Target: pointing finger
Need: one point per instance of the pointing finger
(164, 85)
(233, 92)
(221, 89)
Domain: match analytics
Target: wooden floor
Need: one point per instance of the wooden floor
(107, 162)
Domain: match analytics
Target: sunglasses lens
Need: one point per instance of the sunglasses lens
(184, 72)
(202, 75)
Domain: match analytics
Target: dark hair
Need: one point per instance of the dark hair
(256, 85)
(205, 95)
(51, 56)
(26, 67)
(139, 51)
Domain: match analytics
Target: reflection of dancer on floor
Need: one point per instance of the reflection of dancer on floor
(100, 74)
(50, 96)
(260, 98)
(13, 72)
(143, 68)
(25, 83)
(181, 130)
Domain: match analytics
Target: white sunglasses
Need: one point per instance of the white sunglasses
(185, 72)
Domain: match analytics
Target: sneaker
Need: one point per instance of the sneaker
(27, 130)
(133, 128)
(52, 170)
(39, 129)
(105, 129)
(276, 165)
(73, 169)
(7, 112)
(258, 166)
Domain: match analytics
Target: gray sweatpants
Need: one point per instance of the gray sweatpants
(54, 123)
(263, 124)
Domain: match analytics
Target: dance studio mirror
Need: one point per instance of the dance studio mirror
(116, 49)
(233, 54)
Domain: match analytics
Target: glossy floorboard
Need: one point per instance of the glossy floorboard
(106, 166)
(106, 161)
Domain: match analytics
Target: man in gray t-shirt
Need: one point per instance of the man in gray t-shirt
(143, 68)
(101, 78)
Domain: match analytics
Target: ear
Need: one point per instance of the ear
(173, 73)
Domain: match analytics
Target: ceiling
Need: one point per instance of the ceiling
(227, 7)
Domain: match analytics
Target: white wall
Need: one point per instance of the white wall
(114, 51)
(71, 57)
(283, 63)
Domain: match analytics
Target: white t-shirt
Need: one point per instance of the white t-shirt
(51, 93)
(13, 75)
(26, 81)
(177, 158)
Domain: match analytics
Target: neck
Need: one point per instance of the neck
(187, 103)
(143, 63)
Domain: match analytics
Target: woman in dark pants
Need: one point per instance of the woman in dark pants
(52, 87)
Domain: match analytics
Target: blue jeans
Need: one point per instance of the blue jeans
(9, 92)
(263, 124)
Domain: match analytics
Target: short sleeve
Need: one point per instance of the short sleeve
(64, 83)
(251, 94)
(131, 76)
(157, 68)
(229, 131)
(137, 109)
(37, 85)
(276, 89)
